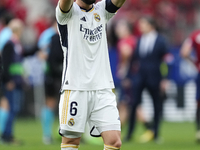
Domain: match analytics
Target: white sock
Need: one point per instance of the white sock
(69, 147)
(107, 147)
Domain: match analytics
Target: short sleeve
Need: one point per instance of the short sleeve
(61, 17)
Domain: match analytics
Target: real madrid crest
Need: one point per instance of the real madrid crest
(71, 122)
(97, 17)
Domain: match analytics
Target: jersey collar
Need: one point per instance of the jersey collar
(89, 10)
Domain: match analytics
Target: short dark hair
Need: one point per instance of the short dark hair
(151, 20)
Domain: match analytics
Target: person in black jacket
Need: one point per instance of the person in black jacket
(55, 63)
(52, 86)
(12, 79)
(12, 76)
(49, 43)
(149, 53)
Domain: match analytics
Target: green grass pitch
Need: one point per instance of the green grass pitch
(175, 136)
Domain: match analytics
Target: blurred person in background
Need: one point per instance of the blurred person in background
(125, 47)
(12, 76)
(190, 44)
(51, 50)
(53, 80)
(150, 51)
(5, 35)
(12, 58)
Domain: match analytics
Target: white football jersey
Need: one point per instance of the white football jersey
(84, 43)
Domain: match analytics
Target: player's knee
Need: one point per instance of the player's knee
(116, 143)
(74, 141)
(112, 138)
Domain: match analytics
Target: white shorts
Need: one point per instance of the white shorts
(98, 108)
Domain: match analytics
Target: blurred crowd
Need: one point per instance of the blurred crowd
(175, 18)
(32, 59)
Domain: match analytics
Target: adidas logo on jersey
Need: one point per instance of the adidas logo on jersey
(67, 82)
(83, 19)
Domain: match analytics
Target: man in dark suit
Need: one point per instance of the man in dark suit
(149, 53)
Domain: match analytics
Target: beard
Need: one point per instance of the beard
(89, 2)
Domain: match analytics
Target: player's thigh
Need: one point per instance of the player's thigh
(73, 111)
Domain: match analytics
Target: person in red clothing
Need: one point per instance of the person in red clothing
(193, 43)
(125, 48)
